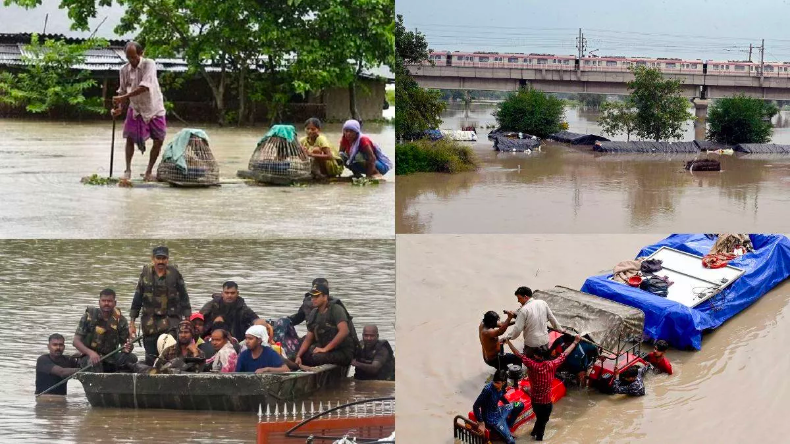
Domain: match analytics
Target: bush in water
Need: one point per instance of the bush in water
(532, 112)
(434, 157)
(740, 119)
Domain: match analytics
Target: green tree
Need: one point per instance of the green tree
(591, 100)
(417, 109)
(617, 118)
(530, 111)
(741, 119)
(48, 80)
(661, 110)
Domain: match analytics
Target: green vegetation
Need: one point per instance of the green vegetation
(531, 111)
(363, 182)
(589, 100)
(661, 110)
(47, 81)
(95, 179)
(391, 97)
(740, 119)
(267, 50)
(618, 118)
(416, 109)
(443, 156)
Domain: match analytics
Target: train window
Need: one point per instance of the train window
(740, 68)
(670, 65)
(693, 66)
(542, 61)
(482, 59)
(611, 63)
(641, 63)
(567, 62)
(769, 69)
(460, 58)
(512, 59)
(587, 62)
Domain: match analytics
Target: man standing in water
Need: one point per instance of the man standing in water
(145, 116)
(161, 296)
(375, 359)
(54, 367)
(489, 331)
(531, 320)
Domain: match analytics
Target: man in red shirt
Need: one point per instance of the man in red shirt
(658, 359)
(541, 372)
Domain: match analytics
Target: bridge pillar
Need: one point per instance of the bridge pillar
(701, 114)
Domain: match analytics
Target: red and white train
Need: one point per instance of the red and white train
(605, 63)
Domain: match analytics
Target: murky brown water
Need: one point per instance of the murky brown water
(49, 283)
(42, 163)
(566, 189)
(733, 390)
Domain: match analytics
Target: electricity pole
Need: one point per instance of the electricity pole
(762, 59)
(581, 45)
(750, 52)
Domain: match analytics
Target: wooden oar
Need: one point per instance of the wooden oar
(112, 145)
(87, 367)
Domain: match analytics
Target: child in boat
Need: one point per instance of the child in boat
(657, 358)
(630, 381)
(326, 159)
(360, 154)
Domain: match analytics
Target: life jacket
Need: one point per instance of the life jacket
(161, 308)
(367, 355)
(332, 328)
(103, 336)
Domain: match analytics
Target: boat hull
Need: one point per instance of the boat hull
(206, 391)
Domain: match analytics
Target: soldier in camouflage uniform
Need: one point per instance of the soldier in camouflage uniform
(162, 300)
(101, 330)
(331, 337)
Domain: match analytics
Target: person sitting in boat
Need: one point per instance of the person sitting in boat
(360, 154)
(630, 381)
(531, 319)
(331, 338)
(326, 158)
(53, 367)
(184, 355)
(375, 359)
(657, 358)
(490, 414)
(541, 370)
(230, 309)
(259, 356)
(224, 360)
(489, 331)
(101, 330)
(197, 321)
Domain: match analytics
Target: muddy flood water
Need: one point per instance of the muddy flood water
(50, 283)
(733, 390)
(564, 189)
(41, 164)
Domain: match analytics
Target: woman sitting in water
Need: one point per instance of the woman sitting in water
(326, 160)
(360, 154)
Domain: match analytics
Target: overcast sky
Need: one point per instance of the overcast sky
(15, 19)
(709, 29)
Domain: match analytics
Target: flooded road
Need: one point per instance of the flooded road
(53, 282)
(565, 189)
(733, 390)
(41, 164)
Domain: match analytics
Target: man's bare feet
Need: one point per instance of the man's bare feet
(127, 174)
(377, 176)
(149, 177)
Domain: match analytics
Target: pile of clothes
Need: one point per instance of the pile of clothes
(726, 248)
(645, 271)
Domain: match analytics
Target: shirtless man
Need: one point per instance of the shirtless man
(490, 330)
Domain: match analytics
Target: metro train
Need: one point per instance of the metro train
(606, 63)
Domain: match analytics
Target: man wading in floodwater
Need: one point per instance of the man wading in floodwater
(145, 116)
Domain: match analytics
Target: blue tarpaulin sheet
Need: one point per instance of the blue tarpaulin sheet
(682, 326)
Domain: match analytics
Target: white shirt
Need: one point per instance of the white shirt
(149, 104)
(531, 319)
